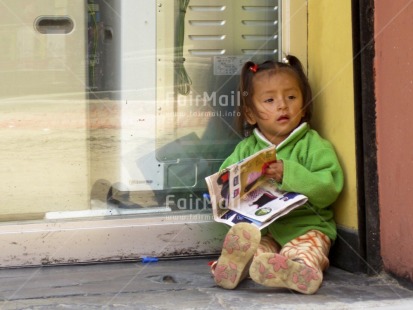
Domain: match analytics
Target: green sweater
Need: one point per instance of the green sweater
(311, 168)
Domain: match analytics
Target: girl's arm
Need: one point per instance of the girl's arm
(320, 178)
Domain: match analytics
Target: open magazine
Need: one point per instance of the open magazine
(242, 193)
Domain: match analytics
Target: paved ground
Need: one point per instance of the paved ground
(184, 284)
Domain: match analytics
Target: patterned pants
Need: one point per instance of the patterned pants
(311, 249)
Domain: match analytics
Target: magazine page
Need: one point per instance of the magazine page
(248, 174)
(218, 188)
(266, 202)
(258, 208)
(232, 217)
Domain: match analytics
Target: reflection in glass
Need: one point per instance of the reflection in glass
(121, 107)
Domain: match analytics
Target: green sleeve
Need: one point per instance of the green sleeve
(320, 178)
(231, 159)
(244, 149)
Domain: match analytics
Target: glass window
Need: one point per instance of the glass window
(120, 107)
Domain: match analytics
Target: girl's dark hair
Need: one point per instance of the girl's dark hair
(290, 64)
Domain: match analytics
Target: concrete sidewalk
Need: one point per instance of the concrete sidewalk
(184, 284)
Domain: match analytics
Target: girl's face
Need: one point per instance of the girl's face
(278, 105)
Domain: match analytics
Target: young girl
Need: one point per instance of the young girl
(292, 252)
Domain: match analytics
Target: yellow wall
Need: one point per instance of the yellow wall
(330, 71)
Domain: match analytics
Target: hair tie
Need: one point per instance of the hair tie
(286, 61)
(254, 68)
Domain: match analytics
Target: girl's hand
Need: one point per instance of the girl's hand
(275, 171)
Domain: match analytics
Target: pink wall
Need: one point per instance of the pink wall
(394, 95)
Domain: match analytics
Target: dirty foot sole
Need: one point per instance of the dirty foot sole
(239, 247)
(275, 270)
